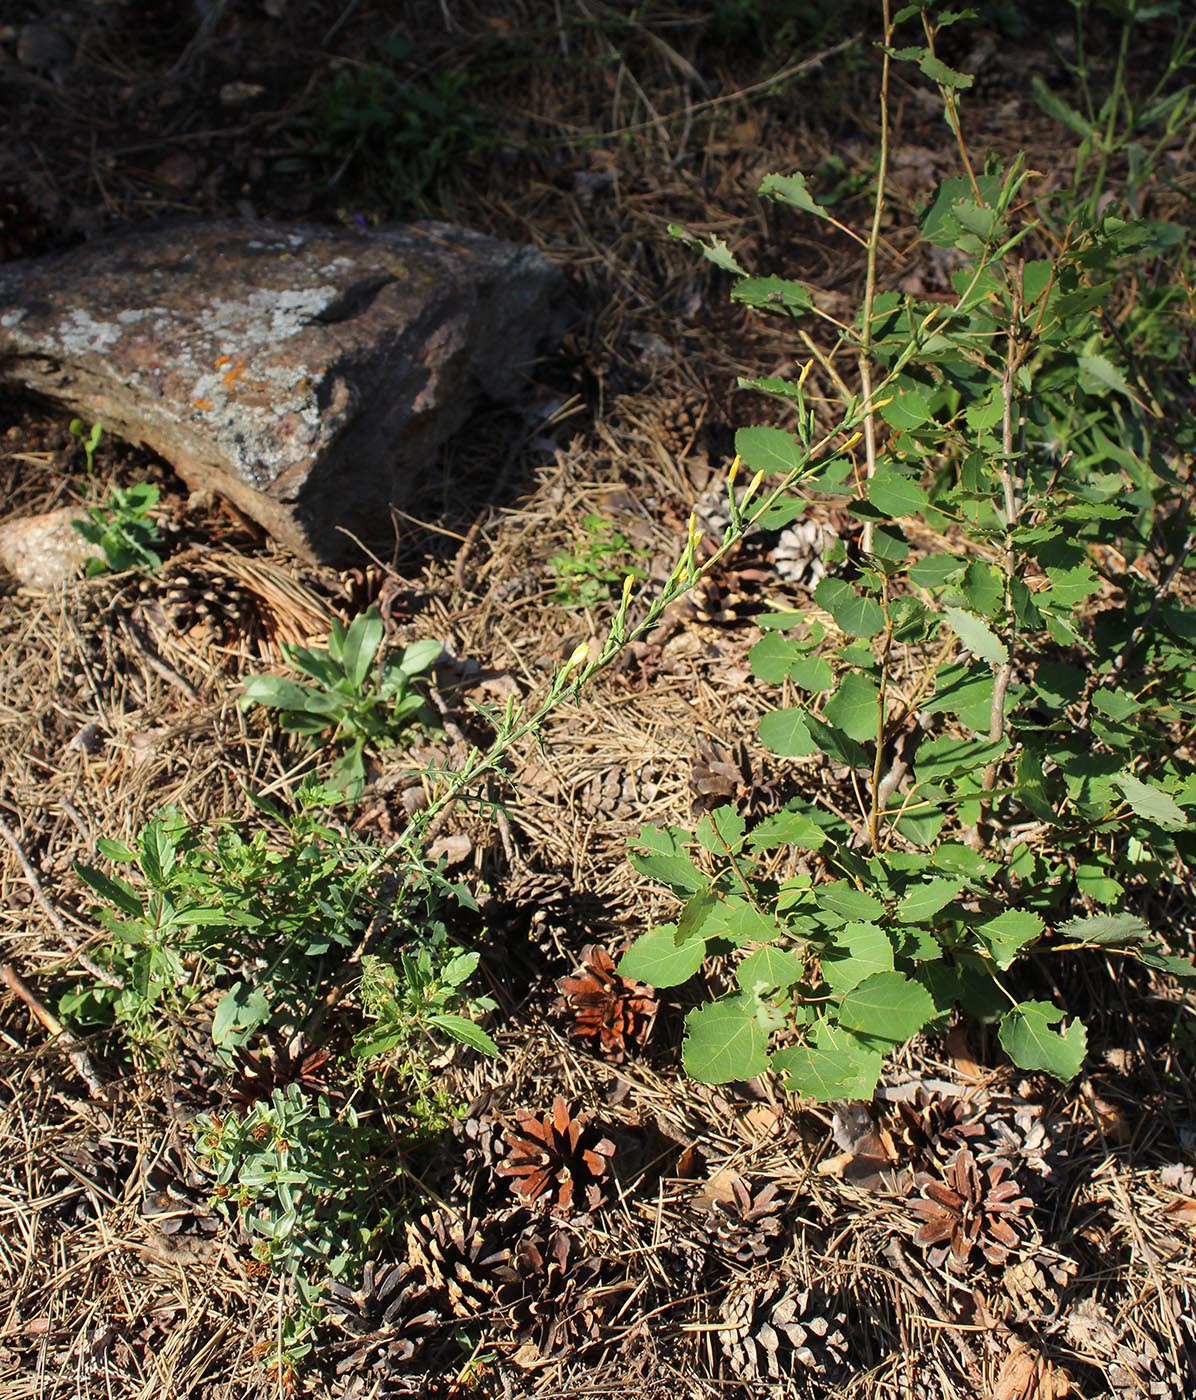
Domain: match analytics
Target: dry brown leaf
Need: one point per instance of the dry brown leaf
(1025, 1375)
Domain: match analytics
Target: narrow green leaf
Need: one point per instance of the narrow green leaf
(361, 646)
(656, 958)
(938, 72)
(724, 1041)
(115, 891)
(697, 910)
(791, 190)
(1055, 107)
(465, 1031)
(837, 745)
(1026, 1035)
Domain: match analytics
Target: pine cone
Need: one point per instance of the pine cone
(618, 1014)
(461, 1260)
(260, 1072)
(88, 1178)
(388, 1313)
(744, 1227)
(970, 1208)
(719, 774)
(547, 1290)
(934, 1127)
(1035, 1286)
(175, 1196)
(771, 1332)
(1144, 1369)
(556, 1158)
(797, 554)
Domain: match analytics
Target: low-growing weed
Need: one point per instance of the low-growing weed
(361, 695)
(599, 560)
(122, 528)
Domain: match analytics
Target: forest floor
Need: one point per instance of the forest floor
(738, 1241)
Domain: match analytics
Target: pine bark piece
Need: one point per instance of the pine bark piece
(307, 374)
(607, 1008)
(557, 1159)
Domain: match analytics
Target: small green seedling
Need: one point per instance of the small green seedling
(585, 575)
(367, 699)
(121, 527)
(90, 438)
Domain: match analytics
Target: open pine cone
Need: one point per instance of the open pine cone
(605, 1007)
(389, 1315)
(460, 1260)
(970, 1207)
(744, 1227)
(770, 1332)
(931, 1128)
(547, 1290)
(556, 1158)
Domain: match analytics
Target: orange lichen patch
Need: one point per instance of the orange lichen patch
(202, 403)
(222, 360)
(230, 377)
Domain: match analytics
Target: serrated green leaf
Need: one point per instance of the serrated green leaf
(855, 615)
(832, 1064)
(769, 969)
(114, 890)
(787, 733)
(857, 953)
(695, 914)
(787, 829)
(660, 855)
(1006, 935)
(939, 759)
(769, 450)
(772, 656)
(1026, 1035)
(773, 294)
(923, 902)
(656, 958)
(938, 72)
(976, 636)
(1151, 802)
(791, 190)
(1107, 930)
(837, 745)
(887, 1006)
(721, 828)
(842, 898)
(855, 707)
(716, 251)
(895, 495)
(724, 1042)
(1106, 374)
(1055, 107)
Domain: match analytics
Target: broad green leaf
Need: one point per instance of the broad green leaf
(855, 707)
(983, 587)
(938, 72)
(787, 829)
(773, 294)
(1059, 683)
(832, 1064)
(279, 693)
(787, 733)
(923, 902)
(1107, 930)
(887, 1006)
(361, 646)
(769, 450)
(936, 570)
(976, 636)
(1026, 1035)
(858, 951)
(772, 656)
(895, 495)
(855, 615)
(1151, 802)
(812, 673)
(1069, 587)
(660, 855)
(769, 969)
(1006, 935)
(1156, 956)
(416, 658)
(1106, 374)
(791, 190)
(724, 1041)
(721, 828)
(836, 744)
(240, 1010)
(656, 958)
(938, 759)
(842, 898)
(465, 1031)
(115, 850)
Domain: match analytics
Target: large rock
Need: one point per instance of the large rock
(307, 374)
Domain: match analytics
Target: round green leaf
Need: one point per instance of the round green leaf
(724, 1041)
(657, 959)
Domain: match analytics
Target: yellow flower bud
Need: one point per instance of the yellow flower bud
(805, 374)
(851, 442)
(734, 472)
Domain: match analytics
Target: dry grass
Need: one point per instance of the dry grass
(108, 711)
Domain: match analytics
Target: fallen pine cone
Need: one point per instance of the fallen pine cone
(615, 1012)
(557, 1158)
